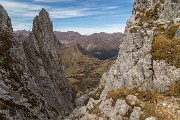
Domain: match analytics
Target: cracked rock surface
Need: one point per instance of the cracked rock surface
(137, 86)
(32, 82)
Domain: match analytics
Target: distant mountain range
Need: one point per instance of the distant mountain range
(100, 45)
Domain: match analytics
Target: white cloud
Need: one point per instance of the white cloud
(22, 14)
(88, 31)
(51, 1)
(72, 12)
(20, 5)
(29, 10)
(21, 9)
(110, 7)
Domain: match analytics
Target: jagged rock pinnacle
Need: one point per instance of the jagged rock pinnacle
(42, 51)
(5, 21)
(43, 11)
(42, 22)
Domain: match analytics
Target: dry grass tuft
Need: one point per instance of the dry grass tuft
(97, 93)
(120, 93)
(158, 111)
(174, 89)
(150, 102)
(164, 48)
(133, 30)
(171, 31)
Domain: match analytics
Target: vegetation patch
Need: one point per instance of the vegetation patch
(164, 48)
(122, 93)
(133, 30)
(150, 109)
(148, 101)
(171, 31)
(160, 29)
(83, 71)
(174, 89)
(95, 110)
(152, 13)
(97, 93)
(162, 1)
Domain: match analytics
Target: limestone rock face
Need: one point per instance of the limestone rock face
(136, 73)
(134, 67)
(22, 83)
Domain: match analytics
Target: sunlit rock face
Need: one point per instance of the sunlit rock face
(141, 69)
(32, 83)
(135, 67)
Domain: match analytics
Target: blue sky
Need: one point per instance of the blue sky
(83, 16)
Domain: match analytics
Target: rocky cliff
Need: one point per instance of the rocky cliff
(136, 66)
(32, 82)
(144, 81)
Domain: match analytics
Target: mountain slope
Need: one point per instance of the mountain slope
(82, 69)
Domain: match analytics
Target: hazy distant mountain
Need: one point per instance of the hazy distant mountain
(21, 34)
(101, 45)
(95, 41)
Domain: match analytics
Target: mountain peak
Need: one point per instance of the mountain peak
(5, 21)
(42, 22)
(43, 12)
(42, 48)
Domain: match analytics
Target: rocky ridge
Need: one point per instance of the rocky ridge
(101, 45)
(32, 82)
(142, 84)
(89, 42)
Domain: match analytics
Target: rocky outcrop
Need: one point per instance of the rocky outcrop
(22, 83)
(135, 67)
(141, 80)
(43, 55)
